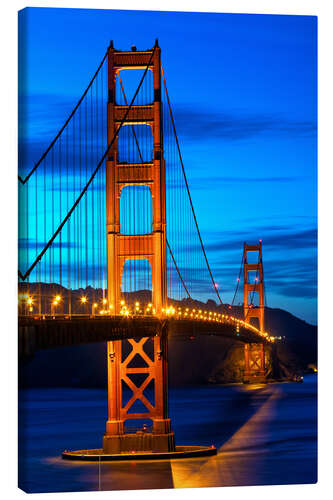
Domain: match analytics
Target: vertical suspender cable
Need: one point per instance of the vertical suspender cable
(188, 192)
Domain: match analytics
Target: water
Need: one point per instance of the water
(264, 435)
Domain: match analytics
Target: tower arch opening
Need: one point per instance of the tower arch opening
(135, 144)
(136, 210)
(136, 284)
(127, 81)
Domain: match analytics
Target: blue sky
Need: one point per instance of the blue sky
(244, 94)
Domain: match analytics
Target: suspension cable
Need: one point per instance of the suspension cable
(23, 181)
(51, 240)
(132, 126)
(178, 271)
(253, 291)
(188, 192)
(139, 151)
(238, 279)
(263, 281)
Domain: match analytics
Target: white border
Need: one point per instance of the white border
(8, 211)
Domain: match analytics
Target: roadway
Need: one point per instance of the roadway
(50, 332)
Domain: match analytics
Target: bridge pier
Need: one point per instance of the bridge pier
(137, 374)
(254, 356)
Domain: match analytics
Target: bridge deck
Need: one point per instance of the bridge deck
(48, 333)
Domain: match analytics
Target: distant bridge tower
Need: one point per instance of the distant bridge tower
(254, 353)
(150, 246)
(256, 287)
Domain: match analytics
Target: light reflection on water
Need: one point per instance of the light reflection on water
(264, 435)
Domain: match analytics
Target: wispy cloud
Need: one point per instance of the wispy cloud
(277, 236)
(218, 181)
(195, 124)
(290, 258)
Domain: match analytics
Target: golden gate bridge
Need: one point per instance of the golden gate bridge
(110, 248)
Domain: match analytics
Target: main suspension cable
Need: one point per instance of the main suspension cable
(188, 192)
(253, 291)
(263, 282)
(139, 151)
(51, 240)
(178, 271)
(23, 181)
(238, 279)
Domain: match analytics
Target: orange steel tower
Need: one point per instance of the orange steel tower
(254, 353)
(257, 287)
(254, 356)
(120, 247)
(149, 246)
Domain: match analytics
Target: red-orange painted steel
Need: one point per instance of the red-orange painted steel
(254, 355)
(257, 287)
(151, 247)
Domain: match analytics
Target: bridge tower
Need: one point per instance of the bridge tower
(257, 287)
(254, 353)
(150, 246)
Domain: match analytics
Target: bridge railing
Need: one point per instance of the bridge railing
(85, 309)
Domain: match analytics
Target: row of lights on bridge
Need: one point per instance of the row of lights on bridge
(171, 311)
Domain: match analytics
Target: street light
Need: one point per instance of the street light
(30, 302)
(84, 300)
(55, 303)
(93, 308)
(104, 307)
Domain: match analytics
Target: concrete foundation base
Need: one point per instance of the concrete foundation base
(138, 442)
(179, 452)
(255, 380)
